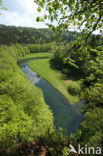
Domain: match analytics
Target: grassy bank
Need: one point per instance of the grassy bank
(56, 78)
(35, 55)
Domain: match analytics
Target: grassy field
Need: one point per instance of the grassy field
(55, 77)
(35, 55)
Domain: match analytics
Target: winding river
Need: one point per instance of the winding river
(66, 116)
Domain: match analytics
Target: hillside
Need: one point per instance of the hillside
(25, 35)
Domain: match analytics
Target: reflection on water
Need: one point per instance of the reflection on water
(65, 115)
(34, 77)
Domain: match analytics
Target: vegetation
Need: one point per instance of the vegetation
(38, 48)
(71, 69)
(25, 117)
(85, 16)
(36, 55)
(25, 35)
(87, 65)
(26, 51)
(22, 107)
(83, 57)
(56, 78)
(86, 62)
(74, 88)
(2, 7)
(91, 127)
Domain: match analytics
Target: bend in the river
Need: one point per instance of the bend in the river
(65, 115)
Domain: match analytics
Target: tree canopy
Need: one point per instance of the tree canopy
(83, 15)
(25, 35)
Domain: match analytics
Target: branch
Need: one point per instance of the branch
(94, 27)
(88, 7)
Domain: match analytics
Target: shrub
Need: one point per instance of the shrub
(66, 70)
(100, 48)
(74, 88)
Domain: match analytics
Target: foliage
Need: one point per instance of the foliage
(86, 63)
(24, 114)
(74, 88)
(92, 127)
(15, 125)
(25, 35)
(37, 48)
(83, 15)
(2, 7)
(65, 151)
(95, 95)
(95, 41)
(18, 50)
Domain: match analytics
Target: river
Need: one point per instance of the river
(66, 115)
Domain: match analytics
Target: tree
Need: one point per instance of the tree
(1, 6)
(81, 14)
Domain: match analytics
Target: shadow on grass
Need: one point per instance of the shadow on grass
(70, 75)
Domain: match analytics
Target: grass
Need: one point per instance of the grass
(55, 77)
(35, 55)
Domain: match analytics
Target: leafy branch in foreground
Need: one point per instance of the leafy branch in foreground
(1, 6)
(82, 15)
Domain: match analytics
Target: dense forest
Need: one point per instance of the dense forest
(24, 35)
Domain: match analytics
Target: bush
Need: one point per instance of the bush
(74, 88)
(100, 48)
(66, 70)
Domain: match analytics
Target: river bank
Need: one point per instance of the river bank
(66, 115)
(55, 77)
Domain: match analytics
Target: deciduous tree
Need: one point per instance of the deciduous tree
(85, 15)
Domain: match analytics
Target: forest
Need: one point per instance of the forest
(25, 35)
(71, 62)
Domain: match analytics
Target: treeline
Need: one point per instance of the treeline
(26, 122)
(25, 35)
(18, 50)
(85, 62)
(45, 47)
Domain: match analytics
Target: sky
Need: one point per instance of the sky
(21, 13)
